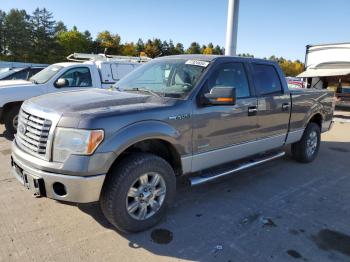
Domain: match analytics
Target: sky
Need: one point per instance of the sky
(265, 27)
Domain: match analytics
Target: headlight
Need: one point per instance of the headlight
(69, 141)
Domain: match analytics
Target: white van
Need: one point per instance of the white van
(98, 71)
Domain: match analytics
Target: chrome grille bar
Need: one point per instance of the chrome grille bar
(33, 132)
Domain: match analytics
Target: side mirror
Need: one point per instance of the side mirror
(221, 96)
(61, 82)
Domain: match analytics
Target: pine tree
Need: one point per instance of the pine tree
(140, 46)
(17, 35)
(194, 48)
(43, 36)
(179, 49)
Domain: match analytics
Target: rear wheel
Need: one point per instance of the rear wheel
(11, 119)
(137, 192)
(306, 149)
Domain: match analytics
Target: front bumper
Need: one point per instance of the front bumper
(79, 189)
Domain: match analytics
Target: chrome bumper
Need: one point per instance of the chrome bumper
(78, 189)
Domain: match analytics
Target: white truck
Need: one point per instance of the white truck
(87, 71)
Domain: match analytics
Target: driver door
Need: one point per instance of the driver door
(218, 129)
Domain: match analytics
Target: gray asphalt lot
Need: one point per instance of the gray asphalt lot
(279, 211)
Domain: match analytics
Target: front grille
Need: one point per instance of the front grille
(33, 132)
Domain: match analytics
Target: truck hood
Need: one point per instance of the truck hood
(94, 102)
(10, 83)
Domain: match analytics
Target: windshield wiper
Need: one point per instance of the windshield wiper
(142, 90)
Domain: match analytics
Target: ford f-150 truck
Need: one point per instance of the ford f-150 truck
(201, 116)
(62, 77)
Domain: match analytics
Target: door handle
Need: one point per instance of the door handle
(285, 107)
(252, 111)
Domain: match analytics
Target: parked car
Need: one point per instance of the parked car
(202, 116)
(295, 82)
(343, 96)
(60, 77)
(19, 73)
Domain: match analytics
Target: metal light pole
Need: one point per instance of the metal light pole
(232, 27)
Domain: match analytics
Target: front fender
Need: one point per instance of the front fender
(140, 131)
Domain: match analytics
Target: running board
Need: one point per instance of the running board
(211, 175)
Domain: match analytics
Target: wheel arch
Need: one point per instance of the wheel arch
(316, 118)
(8, 106)
(153, 137)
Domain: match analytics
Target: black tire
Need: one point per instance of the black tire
(119, 180)
(300, 148)
(9, 116)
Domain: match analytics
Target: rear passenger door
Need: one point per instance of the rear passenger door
(273, 104)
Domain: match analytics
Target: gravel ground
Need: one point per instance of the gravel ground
(280, 211)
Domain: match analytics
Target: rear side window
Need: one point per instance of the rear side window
(266, 79)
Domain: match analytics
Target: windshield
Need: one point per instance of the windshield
(46, 74)
(165, 77)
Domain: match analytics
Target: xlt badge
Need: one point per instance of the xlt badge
(180, 117)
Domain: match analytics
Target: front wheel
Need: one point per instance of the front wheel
(11, 119)
(307, 148)
(137, 192)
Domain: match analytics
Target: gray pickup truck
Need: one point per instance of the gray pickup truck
(201, 116)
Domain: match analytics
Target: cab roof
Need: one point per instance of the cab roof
(210, 58)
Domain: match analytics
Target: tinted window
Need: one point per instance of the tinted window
(23, 74)
(266, 79)
(231, 75)
(78, 77)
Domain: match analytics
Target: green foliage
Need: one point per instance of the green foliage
(2, 32)
(194, 48)
(289, 68)
(17, 32)
(42, 35)
(74, 41)
(109, 42)
(246, 55)
(39, 38)
(153, 48)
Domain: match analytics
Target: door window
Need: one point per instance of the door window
(23, 74)
(77, 77)
(231, 75)
(266, 79)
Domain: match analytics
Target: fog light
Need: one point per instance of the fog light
(59, 189)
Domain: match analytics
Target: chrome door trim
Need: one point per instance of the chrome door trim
(212, 158)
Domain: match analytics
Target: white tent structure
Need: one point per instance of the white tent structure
(327, 60)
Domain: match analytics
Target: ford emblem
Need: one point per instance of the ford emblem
(21, 129)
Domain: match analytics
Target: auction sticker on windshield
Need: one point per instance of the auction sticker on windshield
(197, 63)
